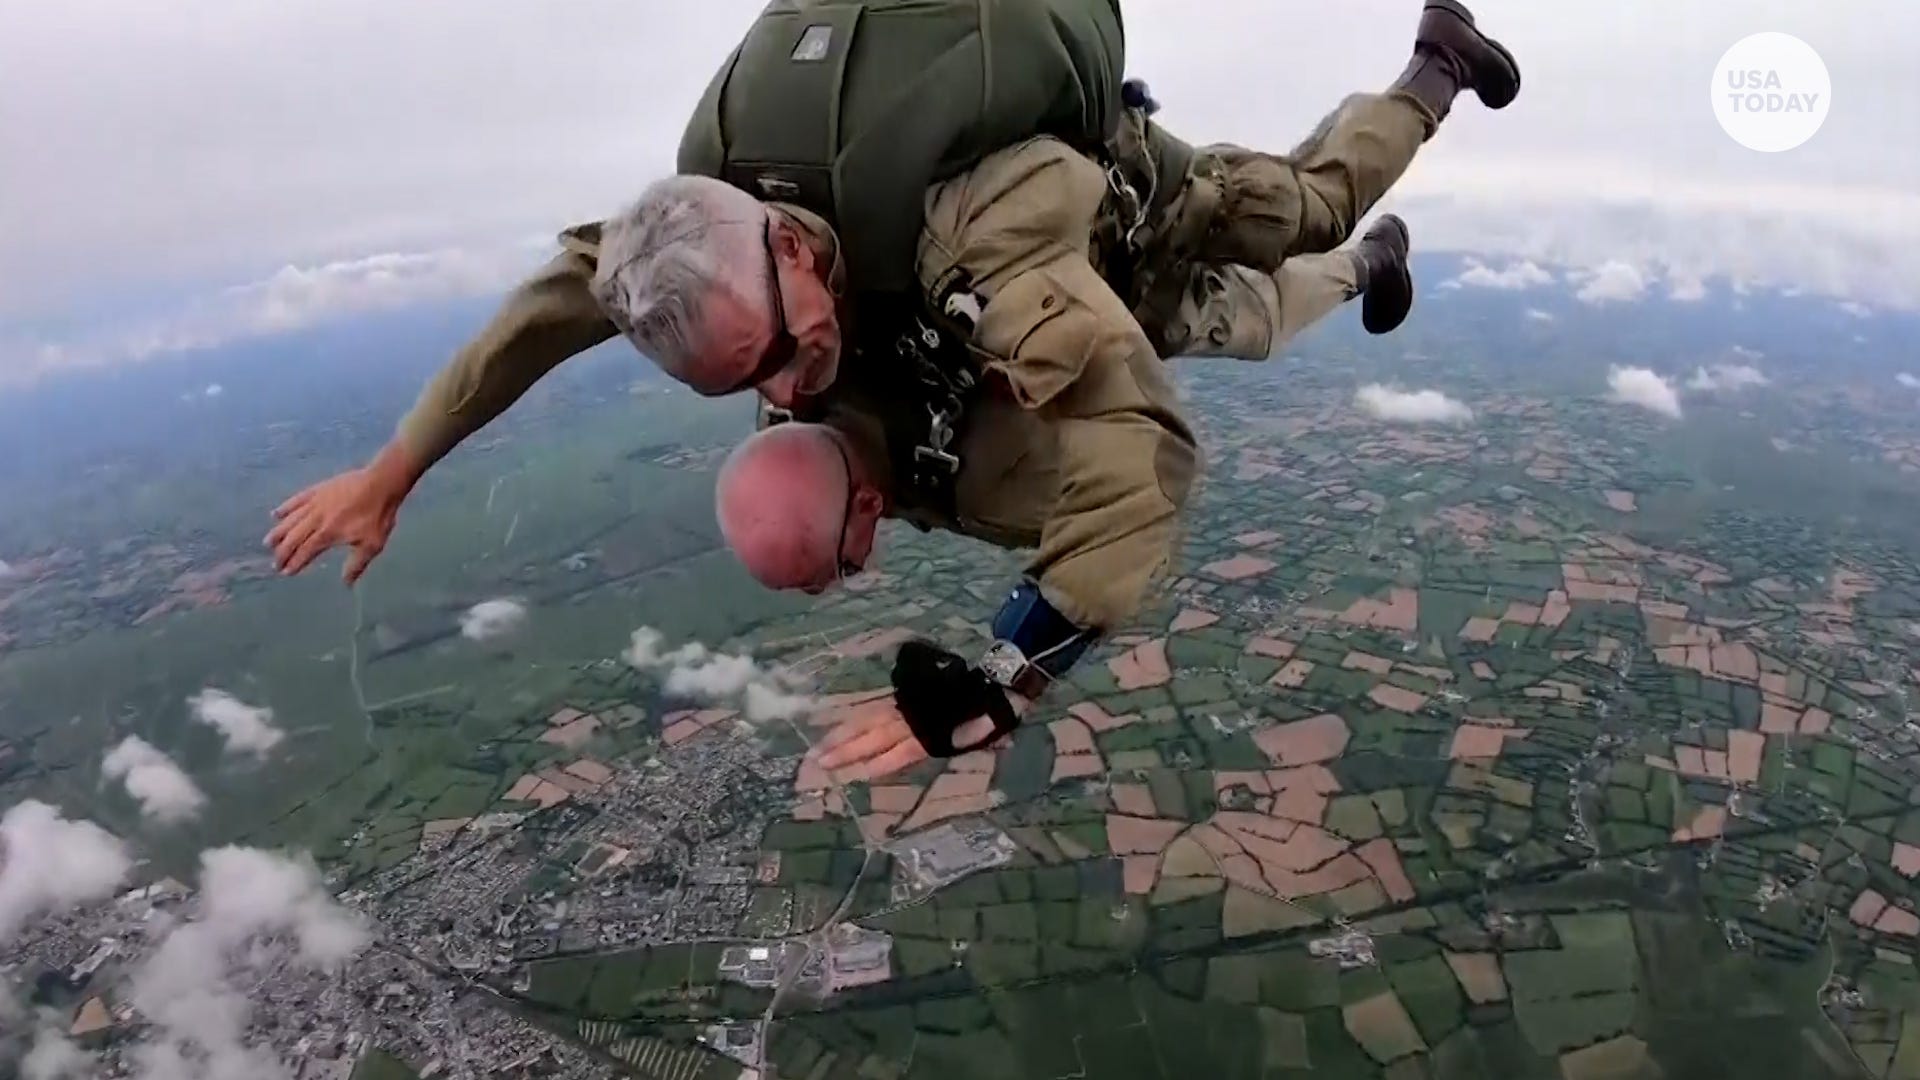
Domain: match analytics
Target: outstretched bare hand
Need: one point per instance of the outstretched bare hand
(356, 508)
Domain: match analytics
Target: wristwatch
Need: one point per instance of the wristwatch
(1009, 668)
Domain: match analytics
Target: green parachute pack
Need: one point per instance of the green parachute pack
(851, 110)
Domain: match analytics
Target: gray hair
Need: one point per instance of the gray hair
(664, 256)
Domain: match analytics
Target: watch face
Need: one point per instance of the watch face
(1003, 663)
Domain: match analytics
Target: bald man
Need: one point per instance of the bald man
(800, 505)
(1043, 276)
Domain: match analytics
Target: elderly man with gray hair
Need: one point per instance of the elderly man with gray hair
(1040, 267)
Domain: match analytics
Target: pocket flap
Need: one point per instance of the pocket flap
(1036, 335)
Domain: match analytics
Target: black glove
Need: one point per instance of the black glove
(1135, 95)
(937, 691)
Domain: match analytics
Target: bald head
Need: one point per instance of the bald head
(794, 503)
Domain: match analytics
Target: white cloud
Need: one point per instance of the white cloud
(49, 865)
(246, 891)
(1519, 275)
(216, 150)
(643, 649)
(718, 676)
(53, 1057)
(1685, 288)
(766, 703)
(246, 728)
(764, 694)
(1536, 315)
(1908, 380)
(6, 569)
(166, 793)
(1856, 309)
(1726, 378)
(490, 619)
(293, 298)
(1642, 387)
(1855, 241)
(185, 990)
(1411, 407)
(298, 296)
(1613, 281)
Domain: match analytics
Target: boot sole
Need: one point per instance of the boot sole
(1399, 225)
(1504, 97)
(1385, 305)
(1381, 315)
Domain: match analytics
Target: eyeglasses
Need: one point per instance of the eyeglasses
(781, 351)
(847, 568)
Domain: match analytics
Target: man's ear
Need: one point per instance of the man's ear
(867, 500)
(789, 246)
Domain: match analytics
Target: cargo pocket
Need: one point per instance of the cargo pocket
(1039, 334)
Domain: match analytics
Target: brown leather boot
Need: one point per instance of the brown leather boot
(1450, 54)
(1386, 284)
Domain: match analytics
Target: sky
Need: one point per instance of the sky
(175, 176)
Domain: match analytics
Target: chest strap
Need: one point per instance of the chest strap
(935, 349)
(918, 376)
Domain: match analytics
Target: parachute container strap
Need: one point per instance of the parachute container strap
(1194, 211)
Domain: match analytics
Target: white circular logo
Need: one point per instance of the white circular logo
(1771, 92)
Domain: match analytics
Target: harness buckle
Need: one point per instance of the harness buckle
(936, 459)
(963, 307)
(1133, 212)
(933, 453)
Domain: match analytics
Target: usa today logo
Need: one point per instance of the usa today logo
(1771, 92)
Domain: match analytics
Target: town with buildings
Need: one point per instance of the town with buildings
(1441, 744)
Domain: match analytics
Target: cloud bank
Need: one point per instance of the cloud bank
(50, 865)
(1645, 389)
(490, 619)
(292, 298)
(165, 792)
(1726, 378)
(247, 729)
(1522, 274)
(1685, 287)
(1411, 407)
(185, 988)
(1613, 281)
(53, 1056)
(401, 181)
(693, 671)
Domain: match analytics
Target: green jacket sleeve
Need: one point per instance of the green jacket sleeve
(549, 318)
